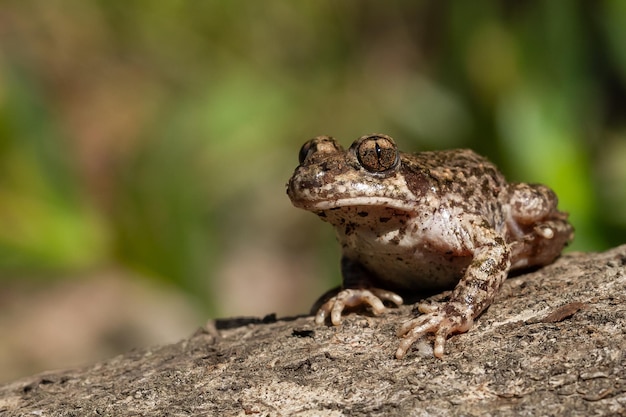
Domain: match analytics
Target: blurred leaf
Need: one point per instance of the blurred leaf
(43, 224)
(160, 135)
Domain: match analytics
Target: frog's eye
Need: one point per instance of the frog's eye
(320, 144)
(305, 150)
(377, 153)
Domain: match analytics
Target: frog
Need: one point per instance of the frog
(426, 222)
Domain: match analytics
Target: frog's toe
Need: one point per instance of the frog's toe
(389, 296)
(414, 329)
(352, 298)
(441, 323)
(323, 311)
(430, 307)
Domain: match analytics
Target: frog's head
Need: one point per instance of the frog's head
(368, 175)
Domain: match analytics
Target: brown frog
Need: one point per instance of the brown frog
(427, 221)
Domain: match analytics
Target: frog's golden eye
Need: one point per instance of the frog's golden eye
(320, 144)
(377, 153)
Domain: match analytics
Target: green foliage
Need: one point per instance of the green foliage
(44, 223)
(160, 134)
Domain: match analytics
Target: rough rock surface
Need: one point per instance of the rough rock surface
(553, 343)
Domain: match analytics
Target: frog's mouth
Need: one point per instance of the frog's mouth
(367, 203)
(360, 210)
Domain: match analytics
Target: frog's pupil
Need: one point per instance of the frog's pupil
(387, 156)
(378, 151)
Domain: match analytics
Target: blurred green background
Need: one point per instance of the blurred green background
(145, 146)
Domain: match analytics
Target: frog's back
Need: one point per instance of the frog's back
(462, 180)
(463, 168)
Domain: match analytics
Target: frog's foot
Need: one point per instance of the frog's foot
(441, 319)
(352, 297)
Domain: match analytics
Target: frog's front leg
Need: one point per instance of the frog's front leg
(474, 292)
(359, 288)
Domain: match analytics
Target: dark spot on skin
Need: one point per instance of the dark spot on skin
(363, 213)
(417, 181)
(484, 186)
(468, 192)
(350, 228)
(451, 310)
(484, 285)
(502, 265)
(499, 241)
(321, 214)
(384, 219)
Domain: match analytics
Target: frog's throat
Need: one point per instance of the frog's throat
(365, 201)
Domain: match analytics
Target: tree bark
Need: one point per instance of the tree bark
(553, 343)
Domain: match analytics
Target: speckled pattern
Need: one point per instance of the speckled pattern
(430, 220)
